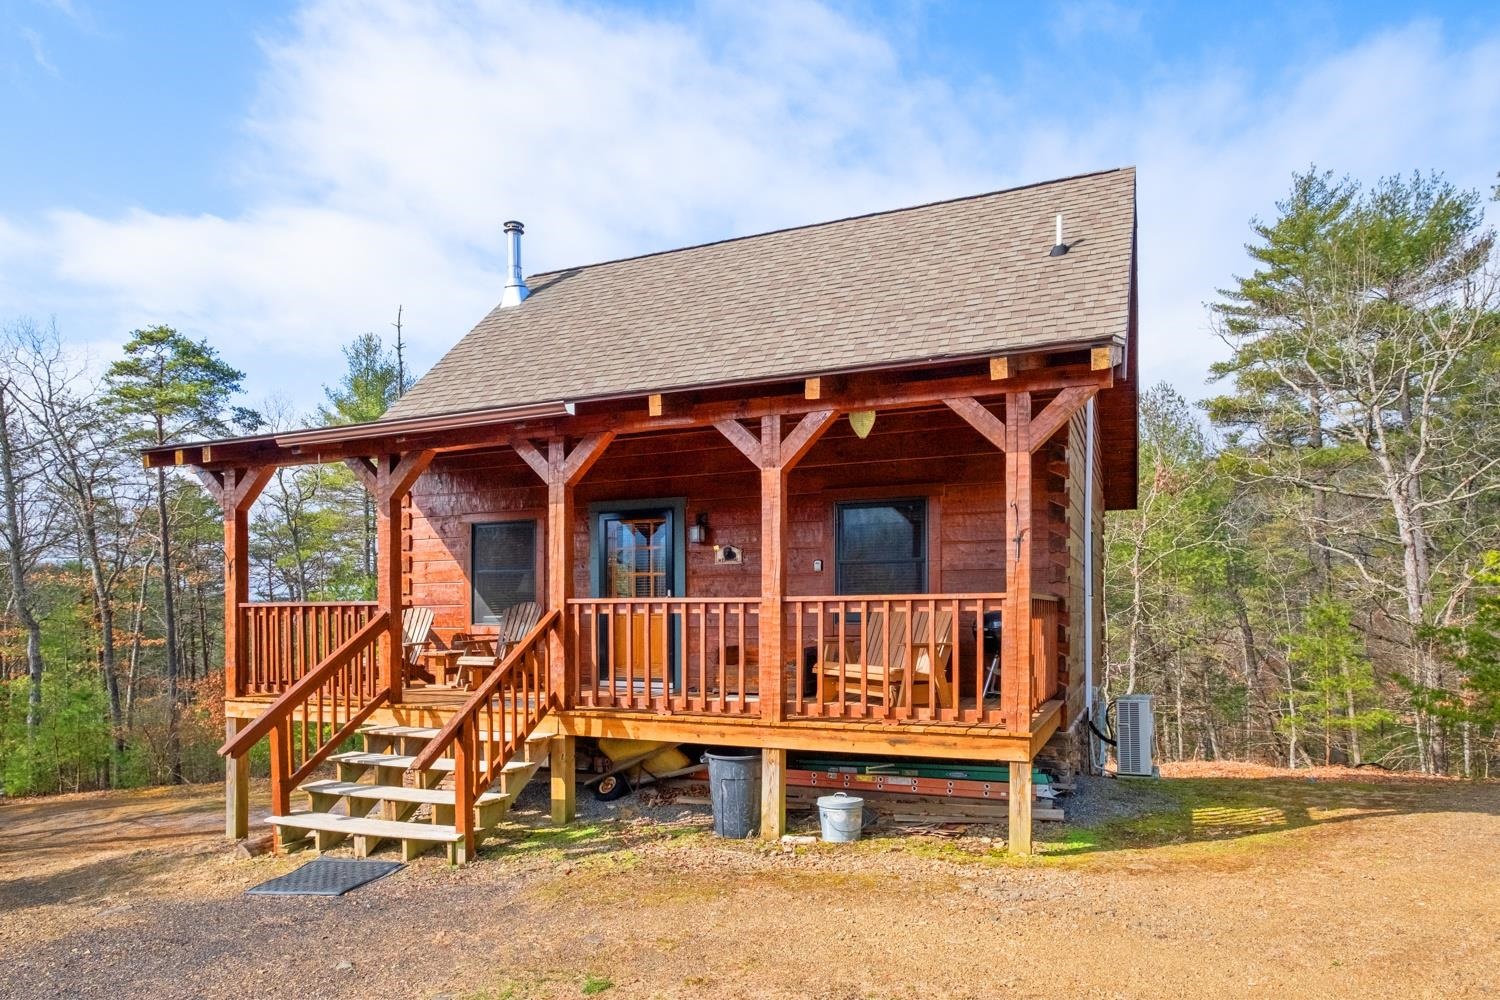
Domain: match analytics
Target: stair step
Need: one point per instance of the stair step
(360, 826)
(420, 732)
(395, 793)
(388, 760)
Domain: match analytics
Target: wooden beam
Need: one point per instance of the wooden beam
(562, 766)
(979, 418)
(533, 458)
(238, 489)
(364, 471)
(236, 786)
(748, 444)
(812, 388)
(853, 393)
(653, 405)
(1011, 365)
(1057, 413)
(396, 476)
(774, 528)
(213, 482)
(560, 523)
(772, 793)
(583, 456)
(1105, 358)
(1016, 632)
(1018, 838)
(806, 434)
(243, 487)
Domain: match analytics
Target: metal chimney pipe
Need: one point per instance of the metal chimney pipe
(515, 285)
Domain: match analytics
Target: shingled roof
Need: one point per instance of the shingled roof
(952, 279)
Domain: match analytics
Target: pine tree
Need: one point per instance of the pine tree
(170, 387)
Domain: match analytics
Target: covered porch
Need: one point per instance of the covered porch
(755, 647)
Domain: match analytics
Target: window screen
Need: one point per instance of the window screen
(882, 547)
(504, 567)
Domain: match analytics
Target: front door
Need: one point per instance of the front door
(638, 562)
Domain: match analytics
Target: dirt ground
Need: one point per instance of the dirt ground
(1242, 883)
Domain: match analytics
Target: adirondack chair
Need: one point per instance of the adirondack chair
(883, 678)
(485, 654)
(416, 635)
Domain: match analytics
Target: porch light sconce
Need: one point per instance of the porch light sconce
(698, 530)
(863, 421)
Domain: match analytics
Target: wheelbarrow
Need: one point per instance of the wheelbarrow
(636, 764)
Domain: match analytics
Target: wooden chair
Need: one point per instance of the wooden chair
(416, 635)
(929, 672)
(856, 659)
(887, 676)
(485, 655)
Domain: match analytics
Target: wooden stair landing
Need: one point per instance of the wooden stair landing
(414, 808)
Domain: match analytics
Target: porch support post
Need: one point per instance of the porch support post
(1015, 641)
(561, 470)
(772, 793)
(236, 490)
(562, 765)
(773, 531)
(560, 516)
(236, 787)
(775, 456)
(389, 479)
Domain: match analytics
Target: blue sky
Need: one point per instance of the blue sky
(278, 176)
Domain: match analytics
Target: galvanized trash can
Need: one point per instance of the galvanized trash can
(841, 817)
(734, 790)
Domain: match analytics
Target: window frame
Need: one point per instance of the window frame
(923, 561)
(539, 584)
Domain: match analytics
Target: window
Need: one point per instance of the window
(882, 547)
(504, 567)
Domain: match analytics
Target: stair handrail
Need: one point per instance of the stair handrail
(298, 694)
(480, 699)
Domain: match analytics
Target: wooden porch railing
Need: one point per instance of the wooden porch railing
(285, 639)
(894, 658)
(904, 658)
(492, 727)
(674, 654)
(318, 712)
(1046, 644)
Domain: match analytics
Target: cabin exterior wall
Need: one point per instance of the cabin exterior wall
(929, 454)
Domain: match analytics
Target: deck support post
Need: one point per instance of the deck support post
(389, 478)
(236, 786)
(561, 766)
(772, 793)
(1018, 836)
(775, 457)
(465, 767)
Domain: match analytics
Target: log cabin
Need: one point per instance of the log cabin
(833, 488)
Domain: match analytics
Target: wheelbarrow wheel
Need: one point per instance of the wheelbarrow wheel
(611, 787)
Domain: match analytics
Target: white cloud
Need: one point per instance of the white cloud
(389, 141)
(33, 39)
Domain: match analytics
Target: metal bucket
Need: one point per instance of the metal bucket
(841, 817)
(734, 790)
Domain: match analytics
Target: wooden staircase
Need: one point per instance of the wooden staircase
(380, 795)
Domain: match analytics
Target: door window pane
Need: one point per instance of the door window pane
(882, 547)
(636, 553)
(504, 567)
